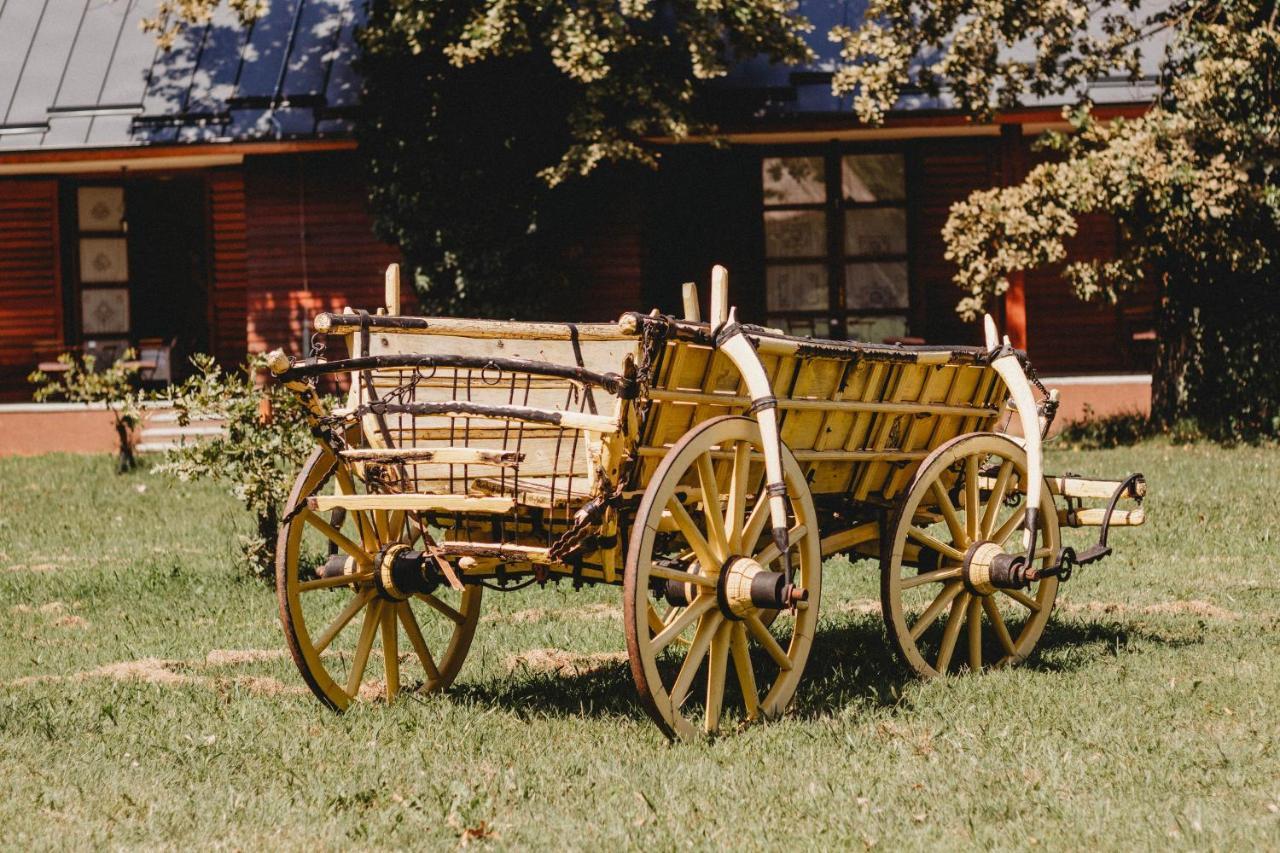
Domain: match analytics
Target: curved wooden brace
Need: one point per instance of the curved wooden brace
(1024, 401)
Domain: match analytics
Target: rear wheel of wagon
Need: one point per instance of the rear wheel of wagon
(966, 502)
(710, 564)
(353, 635)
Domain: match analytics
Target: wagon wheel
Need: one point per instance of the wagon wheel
(967, 500)
(716, 557)
(337, 615)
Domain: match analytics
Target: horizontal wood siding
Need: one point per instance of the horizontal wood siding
(30, 293)
(1064, 333)
(945, 172)
(228, 310)
(310, 246)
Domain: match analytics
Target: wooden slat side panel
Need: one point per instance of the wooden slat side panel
(30, 290)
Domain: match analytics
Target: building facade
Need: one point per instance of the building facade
(211, 196)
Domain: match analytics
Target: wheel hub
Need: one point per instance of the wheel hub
(977, 567)
(745, 585)
(402, 572)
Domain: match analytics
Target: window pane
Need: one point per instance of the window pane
(794, 180)
(795, 233)
(805, 327)
(103, 259)
(875, 286)
(875, 231)
(876, 330)
(873, 177)
(796, 288)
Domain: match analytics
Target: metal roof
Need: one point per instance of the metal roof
(81, 73)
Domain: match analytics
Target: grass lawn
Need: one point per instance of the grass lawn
(145, 699)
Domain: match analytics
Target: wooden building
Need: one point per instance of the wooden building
(212, 196)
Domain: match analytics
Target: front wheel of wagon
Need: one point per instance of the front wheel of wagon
(704, 556)
(966, 502)
(354, 636)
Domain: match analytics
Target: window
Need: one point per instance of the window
(835, 235)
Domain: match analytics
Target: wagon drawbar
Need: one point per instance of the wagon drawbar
(705, 467)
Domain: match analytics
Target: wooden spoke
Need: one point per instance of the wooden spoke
(339, 580)
(1011, 524)
(698, 648)
(948, 510)
(936, 576)
(364, 645)
(986, 468)
(932, 612)
(936, 544)
(701, 548)
(717, 664)
(721, 456)
(971, 496)
(735, 511)
(974, 618)
(390, 650)
(755, 523)
(337, 537)
(746, 674)
(770, 552)
(996, 498)
(1023, 599)
(657, 623)
(997, 624)
(441, 607)
(348, 613)
(766, 639)
(382, 524)
(680, 577)
(311, 627)
(414, 633)
(711, 508)
(398, 524)
(680, 623)
(952, 631)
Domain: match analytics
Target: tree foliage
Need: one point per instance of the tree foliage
(1194, 188)
(484, 116)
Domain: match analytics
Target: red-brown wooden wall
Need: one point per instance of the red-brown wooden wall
(228, 291)
(310, 246)
(30, 296)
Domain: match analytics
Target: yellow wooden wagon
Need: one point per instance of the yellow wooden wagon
(706, 468)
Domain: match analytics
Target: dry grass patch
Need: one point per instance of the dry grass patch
(561, 662)
(1191, 607)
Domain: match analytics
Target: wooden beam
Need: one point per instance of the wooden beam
(411, 503)
(440, 455)
(732, 401)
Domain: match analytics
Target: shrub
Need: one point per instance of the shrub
(117, 387)
(264, 443)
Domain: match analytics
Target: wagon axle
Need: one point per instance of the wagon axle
(403, 572)
(742, 585)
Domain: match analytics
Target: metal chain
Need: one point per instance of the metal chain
(652, 337)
